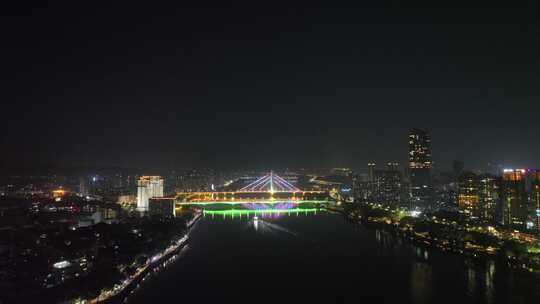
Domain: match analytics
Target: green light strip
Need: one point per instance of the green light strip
(263, 211)
(249, 202)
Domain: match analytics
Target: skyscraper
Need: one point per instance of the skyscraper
(514, 198)
(478, 195)
(420, 165)
(489, 194)
(83, 186)
(389, 185)
(535, 200)
(371, 171)
(468, 194)
(148, 187)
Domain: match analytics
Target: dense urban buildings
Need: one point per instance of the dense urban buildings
(148, 187)
(505, 206)
(186, 152)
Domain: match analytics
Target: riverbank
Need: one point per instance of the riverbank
(322, 256)
(446, 236)
(120, 292)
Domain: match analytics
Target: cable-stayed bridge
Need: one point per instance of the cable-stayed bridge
(270, 183)
(270, 188)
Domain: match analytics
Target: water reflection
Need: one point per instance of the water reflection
(389, 245)
(471, 280)
(256, 223)
(490, 285)
(481, 280)
(263, 211)
(421, 254)
(421, 282)
(305, 247)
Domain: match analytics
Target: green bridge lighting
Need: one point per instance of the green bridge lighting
(239, 213)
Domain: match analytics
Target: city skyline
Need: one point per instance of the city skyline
(245, 87)
(385, 151)
(401, 162)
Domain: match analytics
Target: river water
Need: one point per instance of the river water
(318, 256)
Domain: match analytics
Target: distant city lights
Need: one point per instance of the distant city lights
(62, 264)
(416, 213)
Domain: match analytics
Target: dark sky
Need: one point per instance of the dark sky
(153, 86)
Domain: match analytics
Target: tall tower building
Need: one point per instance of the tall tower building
(533, 209)
(489, 194)
(514, 198)
(420, 165)
(389, 185)
(478, 195)
(468, 194)
(83, 186)
(371, 171)
(148, 187)
(535, 200)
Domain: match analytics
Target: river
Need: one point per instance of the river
(320, 256)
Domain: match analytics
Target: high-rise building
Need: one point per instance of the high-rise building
(489, 187)
(388, 185)
(478, 195)
(83, 186)
(371, 171)
(514, 198)
(532, 186)
(420, 165)
(468, 194)
(148, 187)
(420, 149)
(535, 200)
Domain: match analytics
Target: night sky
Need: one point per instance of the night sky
(148, 86)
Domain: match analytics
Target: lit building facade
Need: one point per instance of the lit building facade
(127, 199)
(489, 188)
(468, 194)
(148, 187)
(479, 196)
(535, 200)
(83, 186)
(388, 185)
(384, 186)
(420, 165)
(371, 171)
(514, 198)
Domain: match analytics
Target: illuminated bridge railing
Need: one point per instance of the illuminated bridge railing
(263, 212)
(240, 197)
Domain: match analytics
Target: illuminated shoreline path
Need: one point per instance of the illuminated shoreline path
(269, 189)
